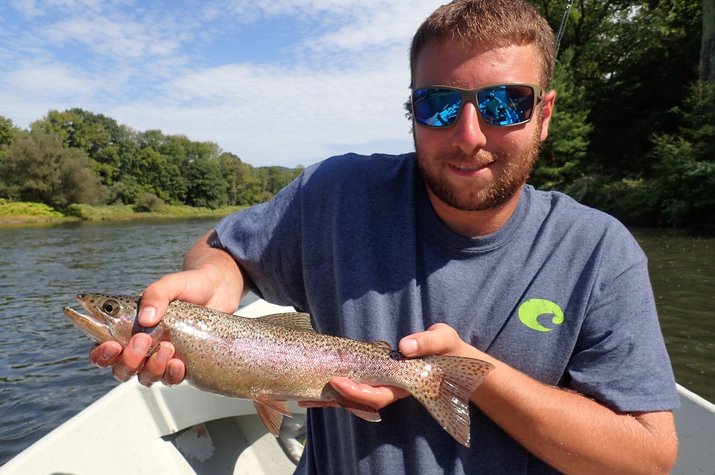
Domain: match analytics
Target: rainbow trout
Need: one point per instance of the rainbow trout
(280, 357)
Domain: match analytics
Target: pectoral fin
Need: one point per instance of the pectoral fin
(365, 414)
(271, 414)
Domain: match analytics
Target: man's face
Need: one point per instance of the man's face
(472, 166)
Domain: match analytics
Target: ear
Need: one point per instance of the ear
(548, 110)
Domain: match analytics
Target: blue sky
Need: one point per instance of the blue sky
(277, 82)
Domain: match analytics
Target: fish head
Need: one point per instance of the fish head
(110, 317)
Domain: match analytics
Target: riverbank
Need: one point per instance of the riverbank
(13, 213)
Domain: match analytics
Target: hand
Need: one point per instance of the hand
(359, 396)
(213, 280)
(440, 339)
(132, 360)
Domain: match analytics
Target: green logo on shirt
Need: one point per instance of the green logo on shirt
(534, 309)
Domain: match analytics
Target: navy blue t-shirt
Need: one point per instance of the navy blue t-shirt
(561, 292)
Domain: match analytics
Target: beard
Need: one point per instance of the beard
(513, 174)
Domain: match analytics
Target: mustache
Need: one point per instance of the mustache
(480, 157)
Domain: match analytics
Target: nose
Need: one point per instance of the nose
(467, 132)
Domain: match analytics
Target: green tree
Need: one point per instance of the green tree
(682, 191)
(645, 70)
(634, 58)
(206, 185)
(560, 163)
(238, 177)
(707, 45)
(7, 131)
(104, 141)
(158, 174)
(39, 168)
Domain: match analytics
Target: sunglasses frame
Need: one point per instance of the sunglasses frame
(470, 95)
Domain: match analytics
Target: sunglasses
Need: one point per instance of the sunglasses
(501, 105)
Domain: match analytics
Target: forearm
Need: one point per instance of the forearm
(572, 433)
(219, 263)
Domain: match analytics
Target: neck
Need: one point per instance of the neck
(475, 223)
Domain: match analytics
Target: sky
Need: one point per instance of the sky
(276, 82)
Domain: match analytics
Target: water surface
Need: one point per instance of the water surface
(45, 375)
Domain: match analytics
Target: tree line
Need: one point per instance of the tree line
(633, 132)
(77, 156)
(634, 127)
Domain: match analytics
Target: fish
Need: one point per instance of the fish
(278, 358)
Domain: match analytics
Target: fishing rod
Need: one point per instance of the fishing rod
(564, 19)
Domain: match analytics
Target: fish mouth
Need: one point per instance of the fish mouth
(90, 325)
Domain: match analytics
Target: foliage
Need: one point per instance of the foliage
(562, 155)
(123, 212)
(629, 64)
(685, 162)
(38, 168)
(7, 131)
(15, 208)
(77, 156)
(206, 186)
(147, 203)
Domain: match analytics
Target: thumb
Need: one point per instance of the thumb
(156, 298)
(439, 339)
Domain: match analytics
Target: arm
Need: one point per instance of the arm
(565, 429)
(210, 277)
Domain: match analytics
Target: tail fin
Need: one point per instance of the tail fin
(445, 393)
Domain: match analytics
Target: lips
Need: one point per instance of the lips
(468, 169)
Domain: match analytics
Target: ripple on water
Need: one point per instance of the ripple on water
(45, 375)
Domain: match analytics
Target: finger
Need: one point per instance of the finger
(175, 372)
(317, 404)
(363, 396)
(132, 358)
(439, 339)
(156, 298)
(156, 364)
(105, 354)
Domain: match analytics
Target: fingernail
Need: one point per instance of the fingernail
(163, 354)
(408, 346)
(147, 316)
(172, 371)
(140, 344)
(109, 353)
(341, 384)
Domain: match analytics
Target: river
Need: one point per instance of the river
(45, 376)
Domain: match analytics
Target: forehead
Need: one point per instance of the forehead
(454, 64)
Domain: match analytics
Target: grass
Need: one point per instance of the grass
(16, 212)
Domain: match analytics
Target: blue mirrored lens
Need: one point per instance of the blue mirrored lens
(436, 107)
(506, 105)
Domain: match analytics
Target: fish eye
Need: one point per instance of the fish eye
(110, 306)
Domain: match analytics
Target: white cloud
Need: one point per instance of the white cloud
(273, 115)
(51, 81)
(339, 88)
(117, 38)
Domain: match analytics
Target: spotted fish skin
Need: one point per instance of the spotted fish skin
(280, 357)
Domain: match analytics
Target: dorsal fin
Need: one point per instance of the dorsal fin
(382, 344)
(292, 320)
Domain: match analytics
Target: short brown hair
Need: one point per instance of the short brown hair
(488, 23)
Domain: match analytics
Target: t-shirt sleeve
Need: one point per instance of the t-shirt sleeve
(620, 357)
(265, 241)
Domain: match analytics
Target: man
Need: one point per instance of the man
(450, 247)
